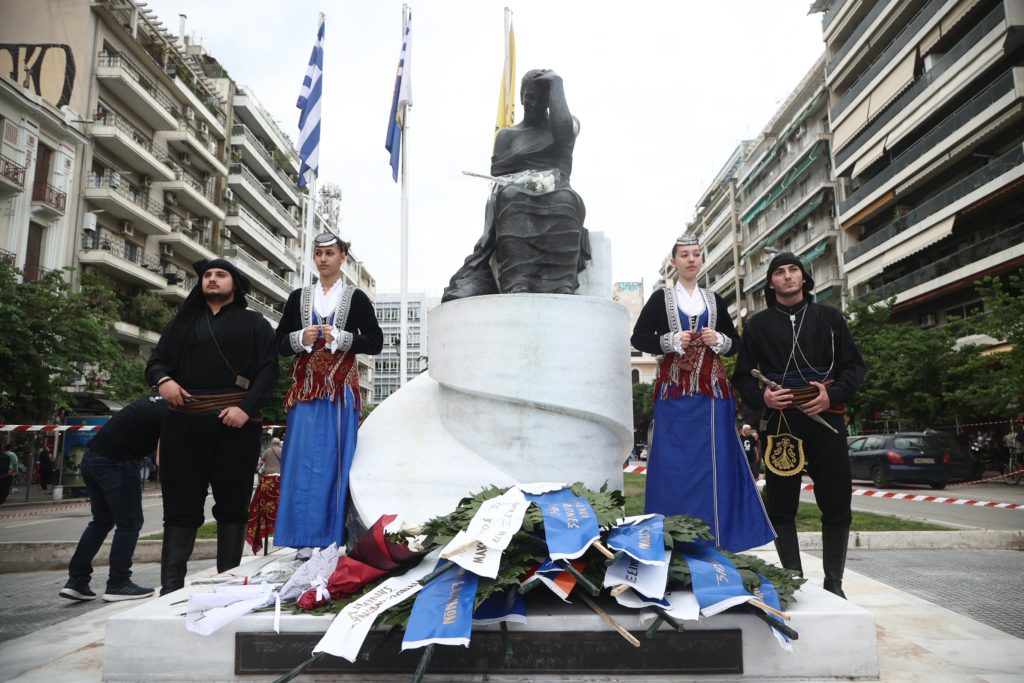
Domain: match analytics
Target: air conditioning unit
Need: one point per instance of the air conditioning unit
(127, 229)
(146, 181)
(203, 128)
(89, 222)
(225, 233)
(166, 250)
(170, 199)
(189, 114)
(204, 176)
(228, 194)
(928, 320)
(115, 179)
(185, 158)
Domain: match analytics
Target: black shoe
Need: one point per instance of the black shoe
(77, 590)
(834, 541)
(174, 554)
(126, 591)
(230, 544)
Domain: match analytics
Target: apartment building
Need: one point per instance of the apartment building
(926, 105)
(41, 154)
(642, 368)
(388, 364)
(785, 196)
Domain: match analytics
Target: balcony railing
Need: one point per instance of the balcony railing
(34, 272)
(198, 185)
(830, 15)
(123, 188)
(122, 249)
(953, 193)
(119, 60)
(259, 304)
(994, 18)
(253, 180)
(237, 252)
(887, 55)
(13, 171)
(49, 195)
(109, 118)
(189, 229)
(254, 222)
(205, 140)
(268, 156)
(1011, 237)
(973, 107)
(863, 26)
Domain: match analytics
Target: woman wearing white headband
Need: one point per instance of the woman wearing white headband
(697, 466)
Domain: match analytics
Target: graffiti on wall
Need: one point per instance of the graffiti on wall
(48, 70)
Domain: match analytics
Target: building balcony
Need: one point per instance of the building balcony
(130, 333)
(721, 251)
(12, 177)
(122, 260)
(988, 256)
(192, 193)
(983, 115)
(48, 201)
(256, 156)
(189, 240)
(259, 273)
(130, 145)
(860, 143)
(722, 283)
(786, 179)
(260, 198)
(205, 107)
(176, 292)
(254, 115)
(854, 38)
(265, 243)
(259, 305)
(800, 211)
(115, 196)
(192, 144)
(137, 91)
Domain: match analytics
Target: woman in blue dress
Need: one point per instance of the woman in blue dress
(696, 464)
(324, 326)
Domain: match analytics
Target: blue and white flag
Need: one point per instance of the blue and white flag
(679, 604)
(443, 611)
(649, 580)
(309, 119)
(498, 607)
(642, 539)
(767, 594)
(716, 582)
(402, 99)
(570, 525)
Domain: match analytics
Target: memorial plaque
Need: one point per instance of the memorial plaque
(533, 652)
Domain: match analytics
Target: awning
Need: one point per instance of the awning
(814, 253)
(873, 267)
(898, 80)
(782, 229)
(780, 188)
(851, 125)
(869, 157)
(825, 294)
(790, 130)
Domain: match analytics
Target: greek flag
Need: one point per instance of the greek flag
(402, 99)
(309, 119)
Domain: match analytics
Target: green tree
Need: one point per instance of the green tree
(643, 409)
(52, 337)
(1003, 319)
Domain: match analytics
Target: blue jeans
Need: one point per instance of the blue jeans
(115, 494)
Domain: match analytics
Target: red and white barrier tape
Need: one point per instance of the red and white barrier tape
(641, 469)
(80, 428)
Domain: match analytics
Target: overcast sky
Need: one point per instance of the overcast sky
(664, 92)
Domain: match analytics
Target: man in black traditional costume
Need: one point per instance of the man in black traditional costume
(216, 366)
(807, 351)
(533, 223)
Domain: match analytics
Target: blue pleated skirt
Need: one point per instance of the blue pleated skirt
(697, 467)
(315, 462)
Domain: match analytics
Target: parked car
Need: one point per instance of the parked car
(908, 457)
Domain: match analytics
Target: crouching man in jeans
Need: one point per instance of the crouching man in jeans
(110, 470)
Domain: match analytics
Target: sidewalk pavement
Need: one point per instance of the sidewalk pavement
(918, 639)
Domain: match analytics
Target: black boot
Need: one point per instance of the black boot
(174, 554)
(788, 547)
(834, 540)
(230, 541)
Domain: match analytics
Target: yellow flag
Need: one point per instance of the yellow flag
(507, 96)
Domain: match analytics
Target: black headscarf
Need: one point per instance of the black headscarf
(787, 258)
(176, 332)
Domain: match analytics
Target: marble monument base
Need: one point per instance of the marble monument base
(560, 642)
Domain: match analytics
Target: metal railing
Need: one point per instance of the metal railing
(255, 223)
(268, 156)
(119, 60)
(1011, 237)
(263, 307)
(122, 249)
(993, 19)
(201, 139)
(863, 26)
(124, 188)
(198, 185)
(256, 182)
(109, 118)
(939, 201)
(13, 171)
(830, 15)
(49, 195)
(190, 230)
(235, 251)
(973, 107)
(886, 56)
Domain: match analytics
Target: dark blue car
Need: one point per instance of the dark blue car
(908, 457)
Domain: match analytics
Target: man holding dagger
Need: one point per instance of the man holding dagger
(812, 368)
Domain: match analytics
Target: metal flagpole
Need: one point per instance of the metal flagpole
(310, 229)
(403, 306)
